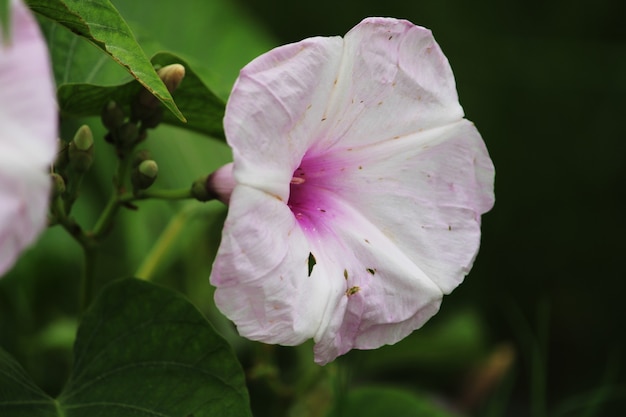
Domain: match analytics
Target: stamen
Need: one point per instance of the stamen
(297, 180)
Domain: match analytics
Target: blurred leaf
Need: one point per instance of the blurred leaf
(217, 37)
(203, 110)
(385, 401)
(5, 20)
(100, 23)
(449, 344)
(140, 350)
(19, 396)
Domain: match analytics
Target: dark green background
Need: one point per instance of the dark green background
(545, 82)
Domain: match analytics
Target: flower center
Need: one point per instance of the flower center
(310, 198)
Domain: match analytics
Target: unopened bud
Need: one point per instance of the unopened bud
(80, 150)
(152, 118)
(144, 175)
(149, 168)
(126, 135)
(219, 185)
(58, 185)
(171, 75)
(112, 115)
(83, 139)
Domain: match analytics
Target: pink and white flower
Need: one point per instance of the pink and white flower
(28, 135)
(359, 190)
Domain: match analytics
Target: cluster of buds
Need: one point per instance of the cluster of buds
(146, 112)
(72, 163)
(125, 130)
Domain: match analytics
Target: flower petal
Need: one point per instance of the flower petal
(261, 272)
(393, 80)
(276, 102)
(28, 115)
(384, 296)
(424, 191)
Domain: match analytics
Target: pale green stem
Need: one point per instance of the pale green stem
(89, 269)
(178, 194)
(168, 239)
(107, 216)
(89, 248)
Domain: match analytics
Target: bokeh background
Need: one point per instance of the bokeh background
(536, 328)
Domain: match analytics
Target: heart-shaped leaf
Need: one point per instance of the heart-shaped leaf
(19, 396)
(99, 22)
(141, 350)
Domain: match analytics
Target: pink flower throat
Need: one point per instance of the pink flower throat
(311, 196)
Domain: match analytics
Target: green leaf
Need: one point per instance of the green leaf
(203, 109)
(385, 401)
(141, 350)
(99, 22)
(5, 20)
(218, 37)
(19, 396)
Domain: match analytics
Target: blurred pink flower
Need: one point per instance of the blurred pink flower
(28, 116)
(359, 190)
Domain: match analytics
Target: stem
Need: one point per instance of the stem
(105, 219)
(178, 194)
(109, 212)
(86, 242)
(89, 269)
(163, 245)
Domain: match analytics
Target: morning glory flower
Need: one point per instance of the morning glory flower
(28, 116)
(359, 189)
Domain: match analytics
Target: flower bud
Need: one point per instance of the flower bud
(58, 185)
(80, 150)
(126, 135)
(171, 75)
(219, 185)
(144, 175)
(146, 107)
(152, 118)
(112, 115)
